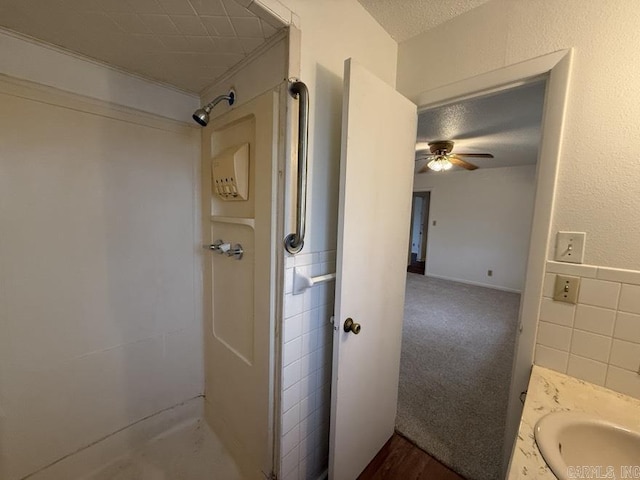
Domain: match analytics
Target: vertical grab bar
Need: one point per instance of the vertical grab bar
(295, 241)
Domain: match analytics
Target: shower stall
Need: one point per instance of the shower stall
(142, 270)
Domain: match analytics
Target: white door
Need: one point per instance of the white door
(376, 179)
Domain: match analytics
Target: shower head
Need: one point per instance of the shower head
(201, 115)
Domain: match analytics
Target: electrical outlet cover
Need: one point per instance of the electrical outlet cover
(566, 289)
(570, 247)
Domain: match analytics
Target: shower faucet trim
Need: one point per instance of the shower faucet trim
(221, 247)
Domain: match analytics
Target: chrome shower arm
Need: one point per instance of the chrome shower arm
(230, 98)
(201, 115)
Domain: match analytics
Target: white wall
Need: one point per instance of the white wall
(603, 107)
(99, 325)
(332, 31)
(56, 67)
(601, 112)
(483, 222)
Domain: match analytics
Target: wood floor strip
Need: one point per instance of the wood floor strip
(399, 459)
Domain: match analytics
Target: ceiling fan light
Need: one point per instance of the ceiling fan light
(435, 165)
(440, 163)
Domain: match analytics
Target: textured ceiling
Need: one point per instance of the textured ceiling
(505, 124)
(404, 19)
(186, 43)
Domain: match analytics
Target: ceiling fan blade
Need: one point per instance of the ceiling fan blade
(425, 168)
(478, 155)
(461, 163)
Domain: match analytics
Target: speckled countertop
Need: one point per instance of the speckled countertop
(551, 391)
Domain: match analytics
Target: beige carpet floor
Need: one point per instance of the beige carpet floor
(455, 370)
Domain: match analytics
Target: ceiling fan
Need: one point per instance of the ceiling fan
(441, 157)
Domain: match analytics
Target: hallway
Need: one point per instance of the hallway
(455, 370)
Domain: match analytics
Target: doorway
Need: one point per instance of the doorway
(462, 310)
(419, 232)
(352, 441)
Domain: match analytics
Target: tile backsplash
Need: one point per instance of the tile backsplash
(306, 374)
(598, 339)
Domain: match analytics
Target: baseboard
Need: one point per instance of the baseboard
(103, 451)
(477, 284)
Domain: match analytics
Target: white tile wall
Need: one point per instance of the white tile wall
(591, 345)
(624, 354)
(306, 375)
(587, 271)
(623, 381)
(619, 275)
(586, 369)
(594, 319)
(627, 327)
(557, 312)
(597, 340)
(630, 298)
(551, 358)
(554, 336)
(599, 293)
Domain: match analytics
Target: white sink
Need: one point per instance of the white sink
(570, 441)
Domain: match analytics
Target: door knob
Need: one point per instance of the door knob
(351, 326)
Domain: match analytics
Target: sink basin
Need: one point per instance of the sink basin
(570, 441)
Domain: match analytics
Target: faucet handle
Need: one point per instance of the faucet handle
(236, 251)
(219, 246)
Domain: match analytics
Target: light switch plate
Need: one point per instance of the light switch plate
(570, 247)
(566, 289)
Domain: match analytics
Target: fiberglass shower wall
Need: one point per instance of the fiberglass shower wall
(99, 326)
(239, 205)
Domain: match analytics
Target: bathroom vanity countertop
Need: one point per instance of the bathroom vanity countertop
(551, 391)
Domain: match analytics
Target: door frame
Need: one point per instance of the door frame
(424, 194)
(556, 68)
(424, 238)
